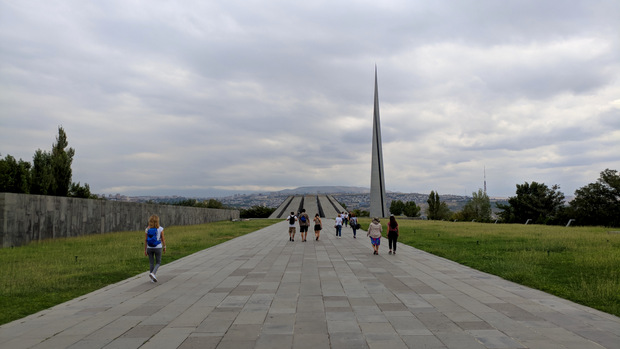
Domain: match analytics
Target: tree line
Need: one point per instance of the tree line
(476, 209)
(597, 203)
(252, 212)
(594, 204)
(49, 174)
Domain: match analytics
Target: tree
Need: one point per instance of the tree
(411, 209)
(541, 204)
(611, 178)
(49, 174)
(396, 207)
(79, 191)
(478, 208)
(361, 213)
(213, 203)
(14, 175)
(436, 209)
(187, 202)
(598, 203)
(433, 205)
(256, 212)
(41, 174)
(507, 213)
(61, 165)
(444, 211)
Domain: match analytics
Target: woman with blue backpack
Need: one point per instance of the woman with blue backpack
(154, 245)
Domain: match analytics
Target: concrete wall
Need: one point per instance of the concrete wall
(25, 218)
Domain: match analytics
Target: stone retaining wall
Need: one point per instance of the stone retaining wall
(25, 218)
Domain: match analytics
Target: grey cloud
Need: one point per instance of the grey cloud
(277, 94)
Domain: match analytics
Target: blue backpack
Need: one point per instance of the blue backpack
(151, 237)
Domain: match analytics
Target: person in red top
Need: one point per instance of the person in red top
(392, 234)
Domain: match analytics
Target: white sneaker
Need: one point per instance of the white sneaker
(153, 277)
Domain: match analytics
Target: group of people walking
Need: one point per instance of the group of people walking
(304, 225)
(155, 243)
(346, 218)
(375, 229)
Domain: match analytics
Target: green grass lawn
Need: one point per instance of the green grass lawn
(581, 264)
(43, 274)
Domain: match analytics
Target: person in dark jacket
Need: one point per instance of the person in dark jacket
(304, 224)
(392, 234)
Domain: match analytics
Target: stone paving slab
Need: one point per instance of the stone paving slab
(263, 291)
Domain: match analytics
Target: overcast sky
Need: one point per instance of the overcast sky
(181, 97)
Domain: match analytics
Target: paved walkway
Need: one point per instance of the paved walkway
(262, 291)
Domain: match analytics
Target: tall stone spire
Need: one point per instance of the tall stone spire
(377, 180)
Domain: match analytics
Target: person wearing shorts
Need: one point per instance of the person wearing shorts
(374, 232)
(291, 219)
(304, 224)
(318, 225)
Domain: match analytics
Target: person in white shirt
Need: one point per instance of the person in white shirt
(154, 245)
(338, 226)
(291, 226)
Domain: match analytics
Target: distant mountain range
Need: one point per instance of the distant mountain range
(353, 197)
(217, 193)
(325, 190)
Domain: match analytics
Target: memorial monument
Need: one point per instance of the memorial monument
(377, 180)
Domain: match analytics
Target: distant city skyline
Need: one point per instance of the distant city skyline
(351, 200)
(294, 191)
